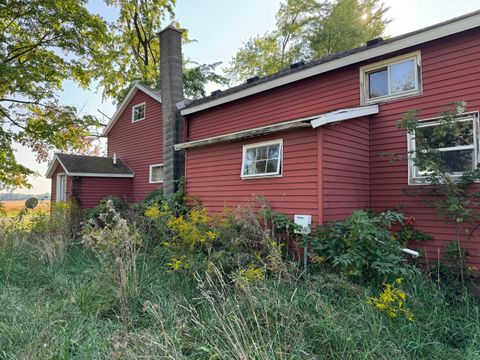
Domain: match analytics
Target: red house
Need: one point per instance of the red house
(309, 138)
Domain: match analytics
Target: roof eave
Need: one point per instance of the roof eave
(451, 28)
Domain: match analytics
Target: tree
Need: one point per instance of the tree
(307, 30)
(133, 51)
(43, 43)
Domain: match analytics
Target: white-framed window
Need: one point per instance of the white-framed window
(156, 173)
(138, 112)
(61, 194)
(458, 147)
(262, 159)
(392, 78)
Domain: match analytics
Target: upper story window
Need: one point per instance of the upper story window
(457, 148)
(390, 79)
(156, 173)
(138, 112)
(262, 159)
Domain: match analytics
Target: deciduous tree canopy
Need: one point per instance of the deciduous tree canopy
(307, 30)
(43, 43)
(133, 50)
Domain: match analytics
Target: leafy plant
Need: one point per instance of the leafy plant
(362, 246)
(101, 213)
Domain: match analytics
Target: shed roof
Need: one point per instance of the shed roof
(82, 165)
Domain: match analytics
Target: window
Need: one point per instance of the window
(138, 112)
(156, 173)
(458, 147)
(61, 188)
(262, 159)
(390, 79)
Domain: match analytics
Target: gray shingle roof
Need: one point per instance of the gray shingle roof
(82, 164)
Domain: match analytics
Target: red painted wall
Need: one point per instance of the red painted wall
(213, 174)
(451, 72)
(90, 190)
(139, 144)
(346, 168)
(349, 171)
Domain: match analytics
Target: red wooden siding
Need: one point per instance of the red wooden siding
(213, 174)
(311, 96)
(451, 72)
(53, 193)
(90, 190)
(346, 168)
(139, 144)
(346, 172)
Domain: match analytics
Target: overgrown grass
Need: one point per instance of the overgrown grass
(68, 309)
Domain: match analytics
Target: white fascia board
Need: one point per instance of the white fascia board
(464, 24)
(133, 90)
(101, 175)
(344, 114)
(52, 166)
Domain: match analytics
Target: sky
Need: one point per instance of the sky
(220, 27)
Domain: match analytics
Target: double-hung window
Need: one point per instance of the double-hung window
(262, 159)
(457, 146)
(390, 79)
(138, 112)
(156, 173)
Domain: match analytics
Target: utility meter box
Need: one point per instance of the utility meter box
(305, 221)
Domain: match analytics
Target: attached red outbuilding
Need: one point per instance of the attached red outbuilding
(89, 179)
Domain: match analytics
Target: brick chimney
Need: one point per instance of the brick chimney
(171, 79)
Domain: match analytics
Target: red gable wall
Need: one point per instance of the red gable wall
(345, 157)
(139, 144)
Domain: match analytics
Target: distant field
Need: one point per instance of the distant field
(12, 207)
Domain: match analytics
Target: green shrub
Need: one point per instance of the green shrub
(101, 215)
(362, 246)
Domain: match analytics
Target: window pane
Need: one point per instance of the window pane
(139, 112)
(402, 76)
(273, 151)
(272, 166)
(453, 134)
(251, 154)
(249, 168)
(262, 152)
(378, 83)
(458, 160)
(157, 174)
(260, 167)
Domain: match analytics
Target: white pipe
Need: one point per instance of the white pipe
(411, 252)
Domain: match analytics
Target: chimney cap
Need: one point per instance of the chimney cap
(170, 27)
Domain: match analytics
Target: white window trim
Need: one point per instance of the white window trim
(144, 111)
(413, 178)
(58, 189)
(364, 83)
(150, 174)
(278, 173)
